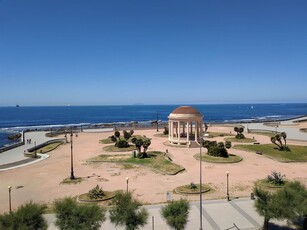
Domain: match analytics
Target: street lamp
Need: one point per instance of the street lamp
(72, 176)
(10, 202)
(227, 173)
(157, 122)
(127, 180)
(200, 188)
(35, 153)
(276, 127)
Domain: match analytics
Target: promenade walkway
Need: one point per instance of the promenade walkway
(15, 157)
(217, 215)
(293, 133)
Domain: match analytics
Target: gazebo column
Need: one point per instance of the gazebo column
(188, 133)
(178, 130)
(196, 130)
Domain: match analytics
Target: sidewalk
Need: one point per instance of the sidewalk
(217, 215)
(15, 157)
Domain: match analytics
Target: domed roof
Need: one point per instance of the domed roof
(186, 110)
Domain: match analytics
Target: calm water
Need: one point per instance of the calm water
(18, 118)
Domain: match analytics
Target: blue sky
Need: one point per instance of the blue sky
(102, 52)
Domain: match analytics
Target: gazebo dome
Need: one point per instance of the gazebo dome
(186, 113)
(186, 110)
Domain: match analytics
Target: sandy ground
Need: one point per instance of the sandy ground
(41, 182)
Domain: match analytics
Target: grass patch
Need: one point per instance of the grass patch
(188, 189)
(219, 134)
(106, 141)
(112, 148)
(48, 148)
(77, 180)
(128, 166)
(107, 196)
(265, 184)
(245, 140)
(207, 158)
(157, 161)
(297, 153)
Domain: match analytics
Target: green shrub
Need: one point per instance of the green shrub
(176, 214)
(217, 149)
(71, 215)
(193, 186)
(239, 130)
(126, 134)
(127, 211)
(26, 217)
(96, 193)
(122, 144)
(276, 178)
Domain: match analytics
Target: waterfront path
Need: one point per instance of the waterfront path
(289, 126)
(217, 215)
(15, 157)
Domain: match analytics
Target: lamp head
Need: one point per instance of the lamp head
(227, 173)
(127, 179)
(9, 187)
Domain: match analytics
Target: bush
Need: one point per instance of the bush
(126, 134)
(122, 144)
(193, 186)
(71, 215)
(127, 212)
(96, 193)
(240, 136)
(27, 217)
(217, 149)
(239, 130)
(276, 178)
(176, 213)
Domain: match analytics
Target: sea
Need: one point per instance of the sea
(16, 119)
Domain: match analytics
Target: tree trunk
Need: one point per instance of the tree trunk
(266, 223)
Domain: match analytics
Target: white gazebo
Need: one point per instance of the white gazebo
(185, 126)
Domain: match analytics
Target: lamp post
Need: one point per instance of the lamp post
(157, 122)
(10, 202)
(276, 127)
(72, 176)
(127, 180)
(35, 153)
(200, 189)
(227, 173)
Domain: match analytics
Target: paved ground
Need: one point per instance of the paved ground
(217, 215)
(290, 127)
(15, 157)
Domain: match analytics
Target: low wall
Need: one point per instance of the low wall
(6, 148)
(44, 144)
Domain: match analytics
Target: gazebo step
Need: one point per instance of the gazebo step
(194, 144)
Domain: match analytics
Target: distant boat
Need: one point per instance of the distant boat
(17, 106)
(252, 107)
